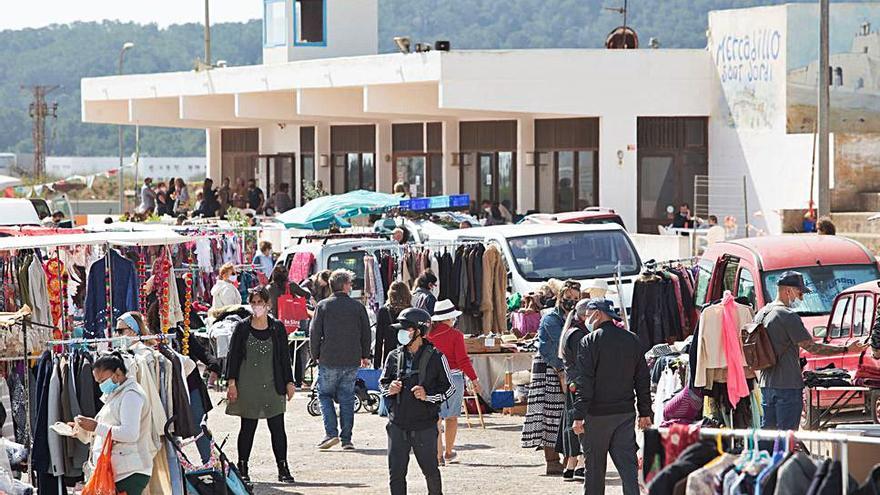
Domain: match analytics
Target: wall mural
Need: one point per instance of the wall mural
(854, 62)
(749, 55)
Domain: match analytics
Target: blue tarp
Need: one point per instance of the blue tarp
(326, 211)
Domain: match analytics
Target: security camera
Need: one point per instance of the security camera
(403, 43)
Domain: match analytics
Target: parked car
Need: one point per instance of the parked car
(592, 215)
(830, 264)
(853, 316)
(750, 268)
(18, 212)
(332, 254)
(535, 253)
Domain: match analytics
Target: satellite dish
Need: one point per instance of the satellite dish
(622, 37)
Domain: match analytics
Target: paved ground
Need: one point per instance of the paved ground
(491, 460)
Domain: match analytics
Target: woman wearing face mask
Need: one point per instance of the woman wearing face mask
(450, 341)
(125, 418)
(546, 402)
(260, 377)
(224, 292)
(568, 443)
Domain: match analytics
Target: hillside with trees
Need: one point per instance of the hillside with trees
(63, 54)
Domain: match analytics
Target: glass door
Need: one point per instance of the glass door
(565, 181)
(658, 189)
(485, 171)
(410, 170)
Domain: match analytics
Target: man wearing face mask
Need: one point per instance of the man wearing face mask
(611, 382)
(415, 380)
(782, 386)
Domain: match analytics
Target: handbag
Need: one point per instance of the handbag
(525, 322)
(102, 482)
(757, 347)
(291, 311)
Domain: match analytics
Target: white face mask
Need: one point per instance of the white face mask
(233, 278)
(260, 311)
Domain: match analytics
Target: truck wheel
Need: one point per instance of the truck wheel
(874, 405)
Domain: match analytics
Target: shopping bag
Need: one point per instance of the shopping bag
(525, 323)
(101, 482)
(291, 311)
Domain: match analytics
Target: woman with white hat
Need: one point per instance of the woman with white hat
(450, 341)
(596, 289)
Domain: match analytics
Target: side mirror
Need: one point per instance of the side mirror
(820, 331)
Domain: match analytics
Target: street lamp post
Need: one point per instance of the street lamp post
(128, 45)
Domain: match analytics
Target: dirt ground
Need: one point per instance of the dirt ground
(490, 460)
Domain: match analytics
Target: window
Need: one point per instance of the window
(307, 172)
(310, 22)
(727, 283)
(353, 171)
(840, 322)
(354, 262)
(274, 23)
(746, 287)
(825, 281)
(863, 316)
(576, 255)
(703, 278)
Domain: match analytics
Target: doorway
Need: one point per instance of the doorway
(671, 152)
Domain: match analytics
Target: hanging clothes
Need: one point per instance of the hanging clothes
(301, 267)
(719, 348)
(494, 292)
(124, 293)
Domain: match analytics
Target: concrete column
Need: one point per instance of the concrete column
(294, 146)
(213, 155)
(525, 164)
(323, 162)
(450, 151)
(384, 174)
(618, 182)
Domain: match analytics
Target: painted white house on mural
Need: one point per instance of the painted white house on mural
(541, 129)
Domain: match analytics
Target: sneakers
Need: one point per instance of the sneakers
(580, 473)
(452, 457)
(328, 442)
(568, 475)
(347, 446)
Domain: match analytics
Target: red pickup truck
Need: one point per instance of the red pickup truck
(830, 265)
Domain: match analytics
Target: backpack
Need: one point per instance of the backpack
(423, 365)
(757, 347)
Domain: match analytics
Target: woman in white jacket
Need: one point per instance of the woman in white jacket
(224, 291)
(125, 418)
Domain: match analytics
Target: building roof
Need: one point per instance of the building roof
(782, 252)
(462, 84)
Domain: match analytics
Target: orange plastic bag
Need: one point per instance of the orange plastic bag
(102, 482)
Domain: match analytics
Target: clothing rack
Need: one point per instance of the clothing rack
(810, 436)
(160, 336)
(652, 263)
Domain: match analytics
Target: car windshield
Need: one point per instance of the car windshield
(353, 261)
(826, 282)
(577, 255)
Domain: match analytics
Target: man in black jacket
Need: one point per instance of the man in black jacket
(414, 382)
(340, 341)
(610, 374)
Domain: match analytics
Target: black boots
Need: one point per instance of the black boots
(243, 471)
(284, 475)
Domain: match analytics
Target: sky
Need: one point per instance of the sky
(163, 12)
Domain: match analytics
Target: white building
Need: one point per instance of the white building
(554, 129)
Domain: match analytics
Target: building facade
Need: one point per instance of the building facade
(639, 131)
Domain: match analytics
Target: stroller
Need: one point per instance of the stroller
(217, 477)
(363, 398)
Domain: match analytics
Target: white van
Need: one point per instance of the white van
(15, 212)
(537, 253)
(333, 254)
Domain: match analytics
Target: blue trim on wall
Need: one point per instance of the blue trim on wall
(295, 30)
(283, 41)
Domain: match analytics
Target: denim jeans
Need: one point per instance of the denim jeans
(782, 408)
(337, 384)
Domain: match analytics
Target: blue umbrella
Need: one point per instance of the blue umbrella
(326, 211)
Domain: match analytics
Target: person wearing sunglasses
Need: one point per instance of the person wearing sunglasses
(546, 401)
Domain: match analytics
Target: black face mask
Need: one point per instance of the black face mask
(568, 304)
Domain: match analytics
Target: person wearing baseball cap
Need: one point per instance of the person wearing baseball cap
(782, 385)
(611, 379)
